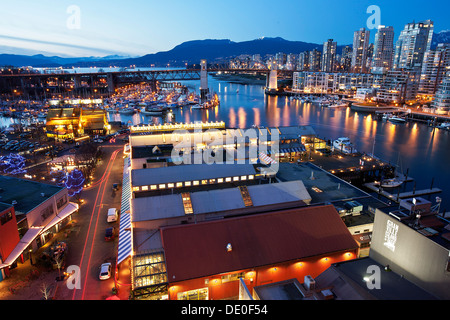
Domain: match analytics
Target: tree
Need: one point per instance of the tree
(74, 182)
(12, 164)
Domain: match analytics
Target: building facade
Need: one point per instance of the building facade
(329, 56)
(435, 65)
(383, 53)
(360, 50)
(414, 40)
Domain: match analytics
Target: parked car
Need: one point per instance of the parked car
(110, 233)
(105, 271)
(112, 215)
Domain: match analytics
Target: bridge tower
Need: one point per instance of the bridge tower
(272, 77)
(111, 83)
(204, 90)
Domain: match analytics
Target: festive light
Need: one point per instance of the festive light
(74, 183)
(12, 164)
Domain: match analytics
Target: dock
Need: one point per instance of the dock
(401, 195)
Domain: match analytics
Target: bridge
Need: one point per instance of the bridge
(102, 84)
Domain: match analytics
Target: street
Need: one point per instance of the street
(90, 249)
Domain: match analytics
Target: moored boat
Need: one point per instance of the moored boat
(344, 145)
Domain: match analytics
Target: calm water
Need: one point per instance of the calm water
(414, 146)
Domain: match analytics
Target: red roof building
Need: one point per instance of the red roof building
(206, 260)
(9, 235)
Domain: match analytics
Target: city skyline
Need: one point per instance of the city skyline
(80, 28)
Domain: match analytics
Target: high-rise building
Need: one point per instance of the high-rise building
(413, 42)
(442, 98)
(281, 58)
(329, 56)
(315, 57)
(435, 64)
(303, 61)
(346, 59)
(360, 47)
(383, 51)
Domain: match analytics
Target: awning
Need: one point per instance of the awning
(265, 158)
(64, 213)
(26, 240)
(125, 245)
(289, 150)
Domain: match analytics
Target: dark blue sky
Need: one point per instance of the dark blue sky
(138, 27)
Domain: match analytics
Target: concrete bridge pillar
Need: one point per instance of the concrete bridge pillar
(272, 77)
(111, 84)
(204, 90)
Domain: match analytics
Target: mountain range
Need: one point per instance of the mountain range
(190, 52)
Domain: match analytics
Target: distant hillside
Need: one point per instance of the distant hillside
(40, 60)
(440, 37)
(212, 50)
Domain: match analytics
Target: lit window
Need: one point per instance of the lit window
(243, 178)
(170, 185)
(204, 181)
(196, 183)
(136, 188)
(144, 188)
(220, 180)
(162, 186)
(187, 184)
(211, 181)
(153, 187)
(251, 177)
(228, 179)
(235, 178)
(179, 184)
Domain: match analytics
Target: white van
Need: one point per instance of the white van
(112, 215)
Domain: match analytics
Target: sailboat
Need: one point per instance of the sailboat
(395, 182)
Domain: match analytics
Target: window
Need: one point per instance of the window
(144, 188)
(243, 178)
(211, 181)
(62, 201)
(235, 178)
(6, 217)
(170, 185)
(162, 186)
(196, 183)
(251, 177)
(233, 277)
(204, 181)
(220, 180)
(153, 187)
(136, 188)
(179, 184)
(228, 179)
(47, 212)
(187, 184)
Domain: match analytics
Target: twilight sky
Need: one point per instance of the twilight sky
(139, 27)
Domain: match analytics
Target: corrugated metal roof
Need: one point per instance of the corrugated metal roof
(198, 250)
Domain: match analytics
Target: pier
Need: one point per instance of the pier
(401, 195)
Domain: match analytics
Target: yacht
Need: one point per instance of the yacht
(444, 125)
(344, 145)
(337, 105)
(127, 110)
(395, 119)
(392, 183)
